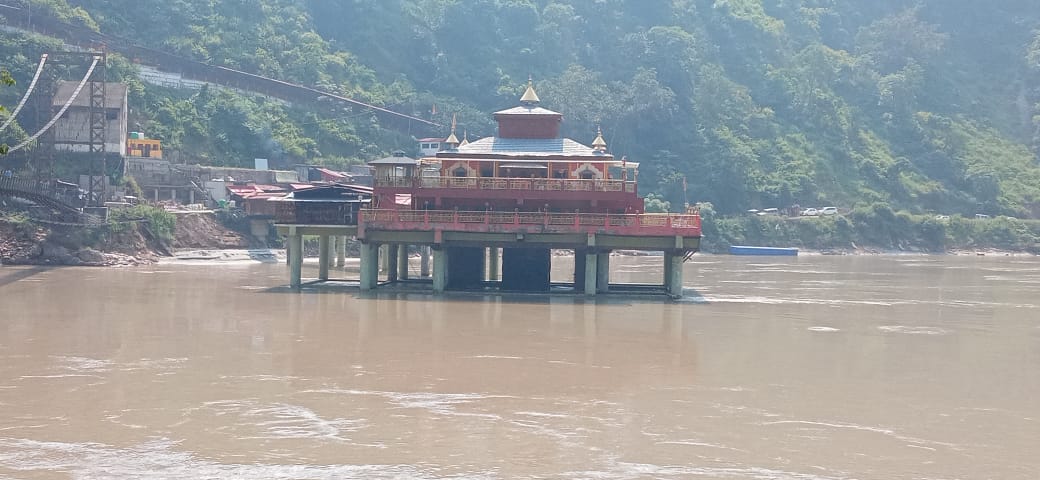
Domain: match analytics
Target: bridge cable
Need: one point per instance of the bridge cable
(61, 112)
(32, 85)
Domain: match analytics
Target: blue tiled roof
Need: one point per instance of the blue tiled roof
(526, 147)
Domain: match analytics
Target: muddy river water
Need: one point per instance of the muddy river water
(817, 367)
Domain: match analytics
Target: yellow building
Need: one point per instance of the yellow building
(143, 147)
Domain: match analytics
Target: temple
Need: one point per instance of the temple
(493, 209)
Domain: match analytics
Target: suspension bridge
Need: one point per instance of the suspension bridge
(219, 75)
(56, 198)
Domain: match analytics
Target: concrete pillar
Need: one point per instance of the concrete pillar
(173, 194)
(402, 262)
(333, 246)
(324, 255)
(369, 266)
(156, 194)
(191, 197)
(295, 260)
(392, 262)
(667, 270)
(603, 272)
(384, 258)
(579, 269)
(288, 250)
(591, 277)
(675, 270)
(492, 264)
(341, 251)
(424, 261)
(440, 270)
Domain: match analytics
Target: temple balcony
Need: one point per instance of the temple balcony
(650, 225)
(405, 184)
(507, 193)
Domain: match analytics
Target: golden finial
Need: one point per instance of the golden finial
(599, 144)
(530, 97)
(452, 139)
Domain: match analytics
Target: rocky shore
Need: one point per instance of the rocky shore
(23, 242)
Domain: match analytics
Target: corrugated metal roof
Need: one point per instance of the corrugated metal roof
(333, 191)
(527, 110)
(526, 147)
(242, 189)
(252, 190)
(365, 189)
(265, 196)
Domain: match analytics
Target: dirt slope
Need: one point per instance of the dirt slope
(203, 230)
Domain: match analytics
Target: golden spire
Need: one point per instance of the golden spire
(530, 98)
(452, 139)
(465, 138)
(599, 144)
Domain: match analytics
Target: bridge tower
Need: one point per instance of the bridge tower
(42, 158)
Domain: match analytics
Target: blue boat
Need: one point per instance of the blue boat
(763, 251)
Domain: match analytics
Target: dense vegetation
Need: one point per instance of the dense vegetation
(876, 227)
(926, 106)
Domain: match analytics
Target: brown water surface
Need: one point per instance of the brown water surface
(802, 368)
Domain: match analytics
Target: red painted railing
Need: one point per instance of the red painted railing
(649, 224)
(502, 183)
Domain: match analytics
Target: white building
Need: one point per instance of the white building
(72, 131)
(429, 147)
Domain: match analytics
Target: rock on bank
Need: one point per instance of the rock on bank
(24, 242)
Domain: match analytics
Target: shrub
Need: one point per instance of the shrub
(159, 222)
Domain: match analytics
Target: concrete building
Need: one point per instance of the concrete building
(430, 146)
(72, 130)
(164, 180)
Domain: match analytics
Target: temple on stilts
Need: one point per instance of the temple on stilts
(488, 213)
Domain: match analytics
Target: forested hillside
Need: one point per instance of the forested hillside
(924, 105)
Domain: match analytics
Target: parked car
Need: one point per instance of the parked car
(829, 211)
(981, 215)
(810, 212)
(942, 217)
(770, 211)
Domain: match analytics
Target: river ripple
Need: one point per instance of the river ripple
(797, 368)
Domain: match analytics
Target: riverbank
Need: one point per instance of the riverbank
(26, 242)
(872, 230)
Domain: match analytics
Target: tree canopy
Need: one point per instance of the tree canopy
(926, 105)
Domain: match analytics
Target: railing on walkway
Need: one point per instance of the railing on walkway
(487, 221)
(505, 183)
(50, 194)
(37, 188)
